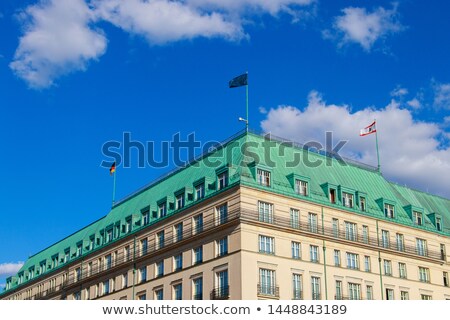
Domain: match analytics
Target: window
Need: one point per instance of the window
(421, 247)
(296, 252)
(109, 235)
(337, 258)
(445, 278)
(338, 290)
(266, 244)
(314, 253)
(438, 224)
(402, 270)
(417, 216)
(162, 209)
(369, 292)
(179, 201)
(222, 246)
(425, 297)
(312, 222)
(362, 203)
(301, 187)
(265, 212)
(127, 253)
(315, 288)
(389, 294)
(198, 255)
(365, 234)
(142, 296)
(267, 282)
(177, 291)
(197, 285)
(335, 228)
(333, 195)
(354, 291)
(66, 255)
(443, 254)
(78, 274)
(385, 238)
(350, 231)
(198, 223)
(352, 261)
(367, 264)
(124, 280)
(424, 274)
(222, 284)
(128, 225)
(144, 246)
(347, 199)
(77, 295)
(222, 180)
(143, 274)
(178, 228)
(200, 191)
(400, 239)
(404, 295)
(263, 177)
(297, 286)
(79, 249)
(105, 287)
(389, 211)
(159, 294)
(222, 213)
(160, 268)
(160, 239)
(145, 217)
(295, 219)
(178, 262)
(387, 267)
(108, 261)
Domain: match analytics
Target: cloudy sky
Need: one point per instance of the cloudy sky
(77, 73)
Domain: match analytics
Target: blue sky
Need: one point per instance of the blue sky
(75, 74)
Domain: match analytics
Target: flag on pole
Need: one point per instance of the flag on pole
(112, 169)
(239, 81)
(369, 129)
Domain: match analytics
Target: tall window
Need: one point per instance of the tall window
(352, 261)
(421, 247)
(312, 222)
(160, 239)
(350, 231)
(127, 253)
(315, 288)
(200, 191)
(297, 286)
(198, 255)
(178, 262)
(265, 212)
(445, 278)
(388, 267)
(385, 238)
(160, 268)
(124, 280)
(267, 282)
(301, 187)
(400, 239)
(314, 253)
(143, 274)
(339, 290)
(222, 180)
(222, 246)
(417, 218)
(144, 246)
(108, 261)
(266, 244)
(162, 209)
(78, 274)
(365, 234)
(222, 284)
(337, 258)
(159, 294)
(296, 252)
(333, 195)
(369, 292)
(295, 218)
(180, 201)
(178, 228)
(424, 274)
(197, 285)
(222, 213)
(404, 295)
(347, 199)
(198, 223)
(438, 224)
(389, 294)
(389, 211)
(109, 235)
(367, 263)
(402, 270)
(354, 291)
(128, 225)
(106, 287)
(362, 203)
(263, 177)
(335, 227)
(145, 217)
(177, 291)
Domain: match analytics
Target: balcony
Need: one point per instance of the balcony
(297, 295)
(221, 293)
(198, 296)
(316, 296)
(268, 291)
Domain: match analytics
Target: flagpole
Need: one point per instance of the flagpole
(246, 96)
(376, 142)
(114, 190)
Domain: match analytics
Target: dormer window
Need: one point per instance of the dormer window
(347, 199)
(200, 191)
(180, 201)
(362, 204)
(162, 210)
(79, 248)
(333, 195)
(145, 217)
(417, 216)
(66, 255)
(222, 180)
(389, 211)
(438, 224)
(301, 187)
(263, 177)
(109, 235)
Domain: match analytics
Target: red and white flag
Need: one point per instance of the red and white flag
(371, 128)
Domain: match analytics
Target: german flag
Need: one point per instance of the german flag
(112, 169)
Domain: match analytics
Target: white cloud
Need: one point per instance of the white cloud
(399, 92)
(442, 95)
(357, 25)
(414, 103)
(262, 110)
(11, 268)
(58, 39)
(410, 150)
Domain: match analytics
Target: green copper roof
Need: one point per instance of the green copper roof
(355, 179)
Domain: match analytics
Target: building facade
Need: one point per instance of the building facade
(257, 218)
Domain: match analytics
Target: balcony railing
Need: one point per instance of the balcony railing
(316, 296)
(341, 297)
(198, 296)
(265, 290)
(220, 293)
(297, 295)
